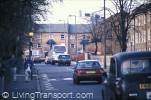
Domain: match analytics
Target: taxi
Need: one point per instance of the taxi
(129, 77)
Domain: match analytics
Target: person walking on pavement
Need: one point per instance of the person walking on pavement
(28, 69)
(13, 65)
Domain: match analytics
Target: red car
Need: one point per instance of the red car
(37, 60)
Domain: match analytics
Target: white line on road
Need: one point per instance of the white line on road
(47, 83)
(61, 79)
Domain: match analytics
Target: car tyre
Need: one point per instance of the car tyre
(100, 81)
(53, 63)
(76, 81)
(59, 64)
(103, 96)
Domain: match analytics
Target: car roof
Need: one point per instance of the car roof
(136, 54)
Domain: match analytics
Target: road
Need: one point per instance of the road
(56, 83)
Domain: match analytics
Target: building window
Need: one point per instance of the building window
(50, 36)
(62, 36)
(38, 45)
(38, 36)
(72, 46)
(72, 37)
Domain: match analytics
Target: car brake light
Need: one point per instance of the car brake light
(79, 72)
(99, 71)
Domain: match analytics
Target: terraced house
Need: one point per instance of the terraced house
(140, 32)
(46, 35)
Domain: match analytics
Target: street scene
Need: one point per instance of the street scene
(75, 50)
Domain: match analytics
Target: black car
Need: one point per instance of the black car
(64, 59)
(88, 70)
(129, 77)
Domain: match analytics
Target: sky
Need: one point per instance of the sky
(62, 10)
(78, 8)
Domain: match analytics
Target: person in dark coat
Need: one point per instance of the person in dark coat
(13, 66)
(28, 64)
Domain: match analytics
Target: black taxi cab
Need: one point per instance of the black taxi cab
(129, 77)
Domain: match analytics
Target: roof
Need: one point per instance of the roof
(45, 28)
(56, 28)
(79, 28)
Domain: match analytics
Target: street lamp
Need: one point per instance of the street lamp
(64, 30)
(76, 37)
(30, 44)
(104, 37)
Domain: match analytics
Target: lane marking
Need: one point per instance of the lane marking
(61, 79)
(67, 79)
(47, 83)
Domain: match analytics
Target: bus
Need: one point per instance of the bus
(55, 52)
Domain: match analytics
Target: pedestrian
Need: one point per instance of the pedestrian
(2, 71)
(13, 66)
(28, 64)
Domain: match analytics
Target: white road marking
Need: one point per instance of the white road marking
(47, 83)
(67, 79)
(61, 79)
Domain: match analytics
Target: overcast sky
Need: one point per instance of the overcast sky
(62, 10)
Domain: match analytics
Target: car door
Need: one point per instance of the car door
(112, 79)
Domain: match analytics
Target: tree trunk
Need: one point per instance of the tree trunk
(96, 48)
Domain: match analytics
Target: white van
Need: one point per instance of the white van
(55, 52)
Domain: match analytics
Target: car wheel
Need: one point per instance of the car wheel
(69, 64)
(76, 80)
(59, 64)
(52, 63)
(100, 81)
(103, 97)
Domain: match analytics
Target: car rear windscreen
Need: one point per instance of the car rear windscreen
(89, 64)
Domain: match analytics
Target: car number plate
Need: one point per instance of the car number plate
(90, 72)
(148, 94)
(145, 86)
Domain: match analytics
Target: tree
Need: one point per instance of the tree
(95, 30)
(122, 19)
(16, 20)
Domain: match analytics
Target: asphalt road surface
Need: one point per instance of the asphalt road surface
(56, 83)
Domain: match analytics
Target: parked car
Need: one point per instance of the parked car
(47, 60)
(129, 77)
(36, 60)
(42, 59)
(88, 70)
(64, 59)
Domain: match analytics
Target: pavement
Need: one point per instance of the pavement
(22, 90)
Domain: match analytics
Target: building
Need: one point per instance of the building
(46, 35)
(140, 31)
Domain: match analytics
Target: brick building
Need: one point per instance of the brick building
(46, 35)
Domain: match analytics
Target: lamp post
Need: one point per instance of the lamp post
(76, 37)
(30, 44)
(104, 38)
(64, 30)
